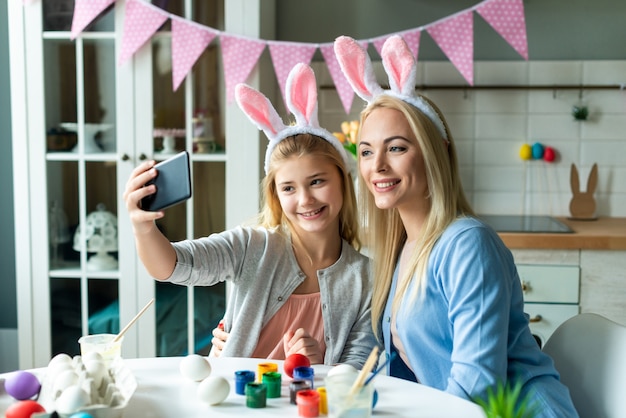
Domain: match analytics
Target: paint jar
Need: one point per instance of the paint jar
(343, 403)
(323, 400)
(256, 395)
(263, 368)
(243, 377)
(308, 401)
(304, 373)
(272, 380)
(295, 386)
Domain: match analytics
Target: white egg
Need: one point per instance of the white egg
(64, 380)
(96, 370)
(61, 358)
(71, 400)
(59, 364)
(195, 367)
(213, 390)
(341, 369)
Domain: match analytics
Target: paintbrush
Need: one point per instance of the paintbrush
(367, 368)
(380, 368)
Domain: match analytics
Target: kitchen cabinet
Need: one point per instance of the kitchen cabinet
(81, 123)
(551, 285)
(551, 296)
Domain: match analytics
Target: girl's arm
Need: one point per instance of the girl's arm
(154, 249)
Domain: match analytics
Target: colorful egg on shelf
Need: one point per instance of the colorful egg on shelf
(537, 151)
(525, 152)
(22, 385)
(549, 154)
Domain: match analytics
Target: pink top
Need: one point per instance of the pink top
(299, 311)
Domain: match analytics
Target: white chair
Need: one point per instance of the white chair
(589, 352)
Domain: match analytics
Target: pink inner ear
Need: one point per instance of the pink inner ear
(398, 61)
(256, 106)
(304, 91)
(354, 63)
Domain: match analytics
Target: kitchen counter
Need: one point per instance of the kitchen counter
(601, 234)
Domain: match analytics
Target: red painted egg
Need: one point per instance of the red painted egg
(295, 360)
(548, 154)
(23, 409)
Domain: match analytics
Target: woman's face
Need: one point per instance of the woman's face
(310, 194)
(391, 162)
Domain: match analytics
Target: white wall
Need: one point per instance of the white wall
(489, 127)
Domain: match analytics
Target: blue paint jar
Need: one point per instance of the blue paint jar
(243, 377)
(304, 373)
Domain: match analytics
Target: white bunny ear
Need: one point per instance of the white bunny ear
(400, 65)
(302, 102)
(301, 91)
(259, 110)
(357, 67)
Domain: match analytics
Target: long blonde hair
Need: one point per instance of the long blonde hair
(272, 215)
(386, 233)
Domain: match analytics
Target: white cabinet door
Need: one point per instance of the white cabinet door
(81, 123)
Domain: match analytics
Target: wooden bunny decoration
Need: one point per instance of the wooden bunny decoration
(583, 204)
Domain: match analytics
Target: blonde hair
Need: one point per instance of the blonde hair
(272, 215)
(446, 200)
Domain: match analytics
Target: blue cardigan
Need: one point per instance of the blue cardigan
(468, 330)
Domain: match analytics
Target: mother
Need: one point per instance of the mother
(447, 297)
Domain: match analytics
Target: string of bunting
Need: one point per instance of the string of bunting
(454, 34)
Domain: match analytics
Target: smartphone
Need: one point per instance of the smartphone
(173, 183)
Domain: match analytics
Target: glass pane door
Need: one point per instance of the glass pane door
(189, 119)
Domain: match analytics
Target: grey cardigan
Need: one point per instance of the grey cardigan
(262, 268)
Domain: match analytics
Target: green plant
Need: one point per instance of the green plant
(505, 402)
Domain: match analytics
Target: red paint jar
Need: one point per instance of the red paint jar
(308, 402)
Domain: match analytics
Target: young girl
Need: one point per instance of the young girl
(447, 294)
(299, 284)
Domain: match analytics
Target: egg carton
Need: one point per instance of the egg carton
(108, 394)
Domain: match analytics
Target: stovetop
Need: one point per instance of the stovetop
(526, 223)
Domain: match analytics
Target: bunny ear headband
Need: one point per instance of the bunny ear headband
(301, 91)
(400, 66)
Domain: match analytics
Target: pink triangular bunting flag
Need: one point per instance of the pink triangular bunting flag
(344, 90)
(239, 56)
(85, 11)
(189, 40)
(507, 18)
(285, 55)
(455, 37)
(412, 39)
(140, 22)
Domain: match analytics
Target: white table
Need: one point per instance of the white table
(162, 392)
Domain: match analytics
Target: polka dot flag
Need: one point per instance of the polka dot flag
(85, 11)
(507, 18)
(453, 34)
(239, 56)
(285, 55)
(189, 40)
(455, 37)
(141, 21)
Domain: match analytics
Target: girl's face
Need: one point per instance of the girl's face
(309, 191)
(391, 162)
